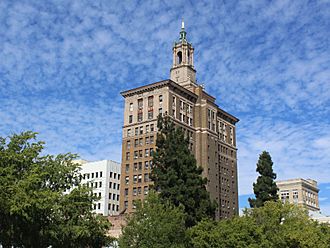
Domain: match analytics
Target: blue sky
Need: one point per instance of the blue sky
(63, 64)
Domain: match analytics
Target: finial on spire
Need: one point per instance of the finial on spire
(183, 32)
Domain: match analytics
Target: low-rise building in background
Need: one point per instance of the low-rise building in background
(104, 178)
(302, 192)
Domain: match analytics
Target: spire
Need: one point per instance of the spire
(182, 32)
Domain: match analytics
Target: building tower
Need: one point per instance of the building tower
(211, 130)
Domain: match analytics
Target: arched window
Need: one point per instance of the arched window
(179, 57)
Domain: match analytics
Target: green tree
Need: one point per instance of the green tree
(176, 175)
(275, 225)
(155, 224)
(265, 189)
(34, 210)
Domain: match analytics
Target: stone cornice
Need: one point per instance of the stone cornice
(174, 86)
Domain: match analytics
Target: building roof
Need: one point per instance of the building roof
(157, 85)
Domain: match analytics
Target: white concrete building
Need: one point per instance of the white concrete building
(104, 177)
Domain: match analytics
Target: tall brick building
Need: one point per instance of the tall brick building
(211, 130)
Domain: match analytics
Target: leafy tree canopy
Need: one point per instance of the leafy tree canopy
(176, 175)
(272, 226)
(155, 224)
(34, 210)
(265, 188)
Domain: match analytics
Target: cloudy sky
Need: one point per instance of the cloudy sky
(64, 63)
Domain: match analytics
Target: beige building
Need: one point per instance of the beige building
(302, 192)
(211, 130)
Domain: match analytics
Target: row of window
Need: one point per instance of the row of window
(94, 184)
(138, 166)
(139, 154)
(139, 142)
(92, 175)
(138, 178)
(114, 207)
(113, 196)
(114, 185)
(140, 109)
(115, 175)
(139, 130)
(137, 191)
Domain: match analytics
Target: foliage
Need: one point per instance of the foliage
(34, 210)
(265, 189)
(273, 226)
(176, 175)
(154, 225)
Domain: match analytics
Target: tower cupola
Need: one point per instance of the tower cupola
(182, 71)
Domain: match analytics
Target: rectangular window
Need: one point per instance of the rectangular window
(128, 132)
(140, 154)
(135, 178)
(110, 185)
(140, 117)
(160, 98)
(146, 152)
(127, 180)
(146, 190)
(128, 144)
(173, 113)
(151, 139)
(100, 173)
(151, 127)
(139, 191)
(146, 177)
(140, 103)
(111, 174)
(100, 184)
(130, 119)
(146, 165)
(147, 128)
(131, 107)
(150, 115)
(127, 155)
(114, 185)
(160, 111)
(141, 130)
(139, 178)
(126, 204)
(135, 166)
(96, 174)
(136, 142)
(134, 191)
(136, 131)
(140, 166)
(127, 168)
(136, 155)
(147, 140)
(92, 175)
(141, 141)
(114, 175)
(173, 100)
(126, 192)
(151, 151)
(150, 101)
(99, 205)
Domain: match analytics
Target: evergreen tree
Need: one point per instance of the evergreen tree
(176, 175)
(265, 189)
